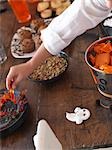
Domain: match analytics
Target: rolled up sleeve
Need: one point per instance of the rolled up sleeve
(80, 16)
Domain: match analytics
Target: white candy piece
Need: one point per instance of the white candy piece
(79, 115)
(108, 22)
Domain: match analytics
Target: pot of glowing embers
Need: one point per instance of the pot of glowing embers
(98, 57)
(13, 110)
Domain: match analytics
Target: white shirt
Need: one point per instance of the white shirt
(80, 16)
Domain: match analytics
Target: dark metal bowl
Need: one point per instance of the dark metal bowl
(65, 56)
(102, 80)
(6, 127)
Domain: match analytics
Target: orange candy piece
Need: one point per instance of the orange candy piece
(102, 59)
(98, 48)
(106, 68)
(103, 47)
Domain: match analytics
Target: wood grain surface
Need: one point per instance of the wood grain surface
(51, 101)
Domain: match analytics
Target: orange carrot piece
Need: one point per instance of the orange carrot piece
(103, 47)
(106, 68)
(102, 59)
(98, 48)
(107, 47)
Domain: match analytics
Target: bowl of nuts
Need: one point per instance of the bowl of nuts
(51, 69)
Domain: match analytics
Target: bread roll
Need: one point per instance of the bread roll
(37, 41)
(46, 0)
(63, 0)
(56, 3)
(46, 13)
(66, 4)
(60, 10)
(37, 23)
(42, 6)
(28, 45)
(24, 34)
(63, 7)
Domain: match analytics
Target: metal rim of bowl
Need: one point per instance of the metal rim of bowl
(89, 49)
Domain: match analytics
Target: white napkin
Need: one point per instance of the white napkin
(45, 139)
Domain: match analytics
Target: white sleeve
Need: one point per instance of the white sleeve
(80, 16)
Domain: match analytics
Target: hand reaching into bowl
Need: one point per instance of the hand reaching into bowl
(20, 72)
(16, 74)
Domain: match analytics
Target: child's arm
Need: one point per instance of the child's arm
(19, 72)
(76, 19)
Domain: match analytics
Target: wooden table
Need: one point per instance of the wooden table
(51, 101)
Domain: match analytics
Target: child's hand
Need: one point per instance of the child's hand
(16, 74)
(109, 3)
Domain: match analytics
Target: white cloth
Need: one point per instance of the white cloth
(45, 139)
(80, 16)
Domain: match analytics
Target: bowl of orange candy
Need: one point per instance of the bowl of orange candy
(98, 57)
